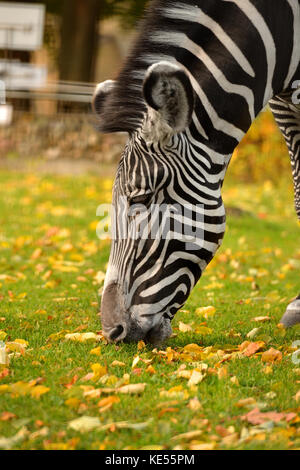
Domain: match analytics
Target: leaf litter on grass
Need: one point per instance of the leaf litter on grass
(224, 380)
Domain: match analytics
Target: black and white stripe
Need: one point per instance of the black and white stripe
(287, 116)
(198, 75)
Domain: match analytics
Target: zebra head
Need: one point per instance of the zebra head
(163, 198)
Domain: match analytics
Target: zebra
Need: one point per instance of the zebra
(198, 74)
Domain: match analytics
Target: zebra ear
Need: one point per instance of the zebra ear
(101, 93)
(168, 90)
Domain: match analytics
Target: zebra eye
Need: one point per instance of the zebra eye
(144, 199)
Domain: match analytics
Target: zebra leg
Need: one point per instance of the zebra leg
(287, 116)
(292, 314)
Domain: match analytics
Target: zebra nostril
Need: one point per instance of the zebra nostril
(117, 334)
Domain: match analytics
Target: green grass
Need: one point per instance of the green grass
(49, 256)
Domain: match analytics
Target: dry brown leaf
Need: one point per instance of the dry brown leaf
(206, 312)
(261, 319)
(7, 415)
(249, 349)
(234, 380)
(4, 372)
(167, 410)
(167, 404)
(196, 378)
(194, 404)
(256, 417)
(150, 369)
(246, 402)
(72, 382)
(223, 432)
(141, 345)
(125, 425)
(84, 423)
(222, 372)
(131, 389)
(108, 400)
(8, 443)
(107, 403)
(230, 439)
(40, 433)
(272, 355)
(253, 333)
(118, 364)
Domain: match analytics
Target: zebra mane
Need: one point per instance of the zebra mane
(124, 108)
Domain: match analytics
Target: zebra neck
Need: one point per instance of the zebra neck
(233, 52)
(233, 74)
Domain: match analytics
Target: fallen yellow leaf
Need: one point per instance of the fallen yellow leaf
(118, 364)
(196, 378)
(98, 371)
(222, 373)
(194, 404)
(132, 389)
(261, 319)
(203, 330)
(73, 402)
(82, 337)
(206, 312)
(96, 351)
(184, 328)
(245, 402)
(39, 390)
(2, 335)
(84, 423)
(9, 442)
(272, 355)
(249, 349)
(141, 345)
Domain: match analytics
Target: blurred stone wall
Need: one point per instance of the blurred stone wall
(71, 136)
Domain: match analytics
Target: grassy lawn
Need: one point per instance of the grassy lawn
(206, 381)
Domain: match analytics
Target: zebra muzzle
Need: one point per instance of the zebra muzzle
(119, 324)
(113, 313)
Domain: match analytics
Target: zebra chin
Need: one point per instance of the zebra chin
(119, 325)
